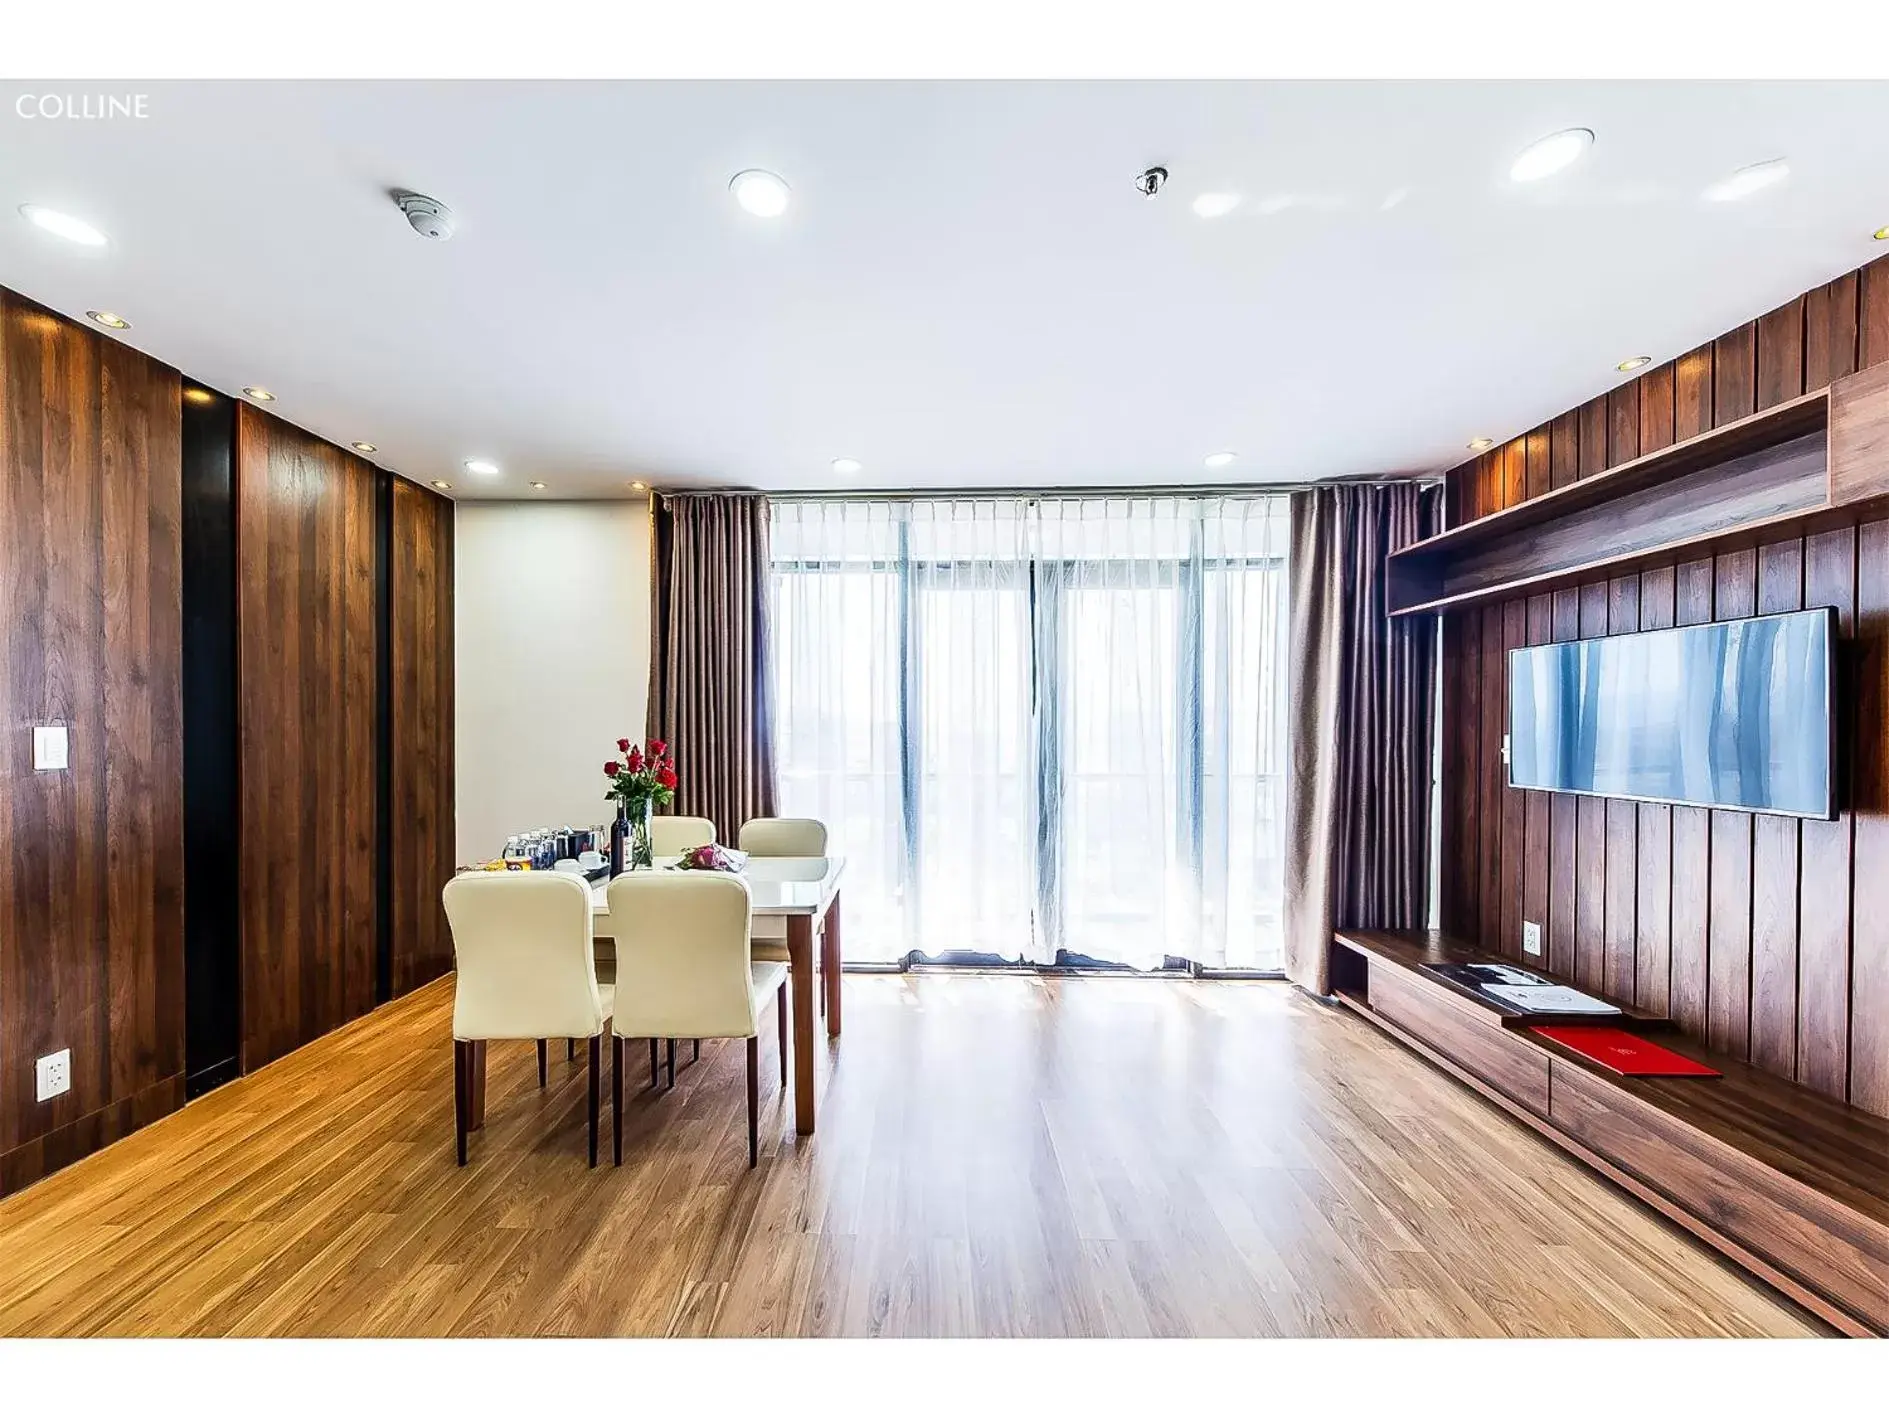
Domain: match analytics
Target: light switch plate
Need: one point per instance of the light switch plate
(49, 747)
(52, 1075)
(1531, 938)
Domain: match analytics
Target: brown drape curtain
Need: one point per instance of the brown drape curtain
(1360, 710)
(709, 690)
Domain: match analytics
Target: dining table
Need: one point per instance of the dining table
(803, 894)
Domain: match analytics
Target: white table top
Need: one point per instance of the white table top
(777, 885)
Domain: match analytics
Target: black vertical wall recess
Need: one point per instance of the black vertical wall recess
(212, 950)
(384, 736)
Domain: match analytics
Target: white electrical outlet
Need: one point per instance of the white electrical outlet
(53, 1075)
(50, 752)
(1531, 938)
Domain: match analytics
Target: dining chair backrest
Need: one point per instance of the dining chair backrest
(784, 836)
(523, 950)
(671, 836)
(682, 955)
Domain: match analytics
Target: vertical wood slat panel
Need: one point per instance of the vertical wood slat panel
(1869, 961)
(91, 858)
(1653, 870)
(1823, 924)
(1564, 450)
(308, 644)
(1537, 814)
(1728, 1007)
(1490, 774)
(1461, 727)
(422, 733)
(1619, 922)
(1514, 617)
(1590, 827)
(1774, 865)
(1563, 811)
(1690, 942)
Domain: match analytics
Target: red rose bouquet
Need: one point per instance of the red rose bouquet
(643, 778)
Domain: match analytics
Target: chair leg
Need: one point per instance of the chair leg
(616, 1098)
(570, 1050)
(695, 1050)
(655, 1068)
(596, 1065)
(462, 1089)
(670, 1058)
(780, 1024)
(541, 1056)
(754, 1064)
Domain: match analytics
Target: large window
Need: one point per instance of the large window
(1040, 728)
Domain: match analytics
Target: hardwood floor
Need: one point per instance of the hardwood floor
(997, 1155)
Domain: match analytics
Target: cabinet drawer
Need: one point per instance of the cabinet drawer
(1828, 1247)
(1480, 1045)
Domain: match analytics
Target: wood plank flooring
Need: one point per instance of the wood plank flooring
(997, 1155)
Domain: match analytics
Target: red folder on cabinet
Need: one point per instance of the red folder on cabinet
(1625, 1053)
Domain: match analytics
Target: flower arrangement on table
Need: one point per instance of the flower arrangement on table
(644, 778)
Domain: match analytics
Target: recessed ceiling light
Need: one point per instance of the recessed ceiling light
(1639, 361)
(443, 486)
(537, 487)
(485, 467)
(639, 487)
(847, 466)
(1213, 204)
(259, 395)
(59, 224)
(363, 447)
(1882, 233)
(1219, 459)
(108, 320)
(1481, 445)
(1549, 155)
(1747, 180)
(759, 192)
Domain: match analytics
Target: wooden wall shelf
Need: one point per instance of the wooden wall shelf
(1802, 466)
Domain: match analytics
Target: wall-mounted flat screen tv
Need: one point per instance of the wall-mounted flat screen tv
(1736, 714)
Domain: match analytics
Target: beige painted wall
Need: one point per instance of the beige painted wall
(552, 660)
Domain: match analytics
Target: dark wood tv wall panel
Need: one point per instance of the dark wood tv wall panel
(91, 859)
(423, 823)
(308, 638)
(1764, 936)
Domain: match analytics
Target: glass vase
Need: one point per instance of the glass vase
(640, 856)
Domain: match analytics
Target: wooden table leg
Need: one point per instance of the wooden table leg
(800, 977)
(475, 1095)
(830, 955)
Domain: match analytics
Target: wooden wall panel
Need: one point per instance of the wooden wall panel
(422, 808)
(308, 642)
(1767, 936)
(91, 858)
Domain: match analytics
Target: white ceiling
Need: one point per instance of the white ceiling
(966, 290)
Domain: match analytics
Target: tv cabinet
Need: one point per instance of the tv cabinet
(1788, 1183)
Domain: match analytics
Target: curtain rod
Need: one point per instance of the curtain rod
(1240, 489)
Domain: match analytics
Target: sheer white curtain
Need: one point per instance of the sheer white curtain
(1040, 728)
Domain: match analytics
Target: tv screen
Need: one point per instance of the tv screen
(1736, 714)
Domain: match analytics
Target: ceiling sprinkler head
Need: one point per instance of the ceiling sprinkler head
(1150, 183)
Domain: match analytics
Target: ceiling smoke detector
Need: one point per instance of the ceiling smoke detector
(1150, 183)
(429, 216)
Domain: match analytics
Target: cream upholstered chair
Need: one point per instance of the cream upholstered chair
(783, 836)
(683, 972)
(671, 836)
(522, 949)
